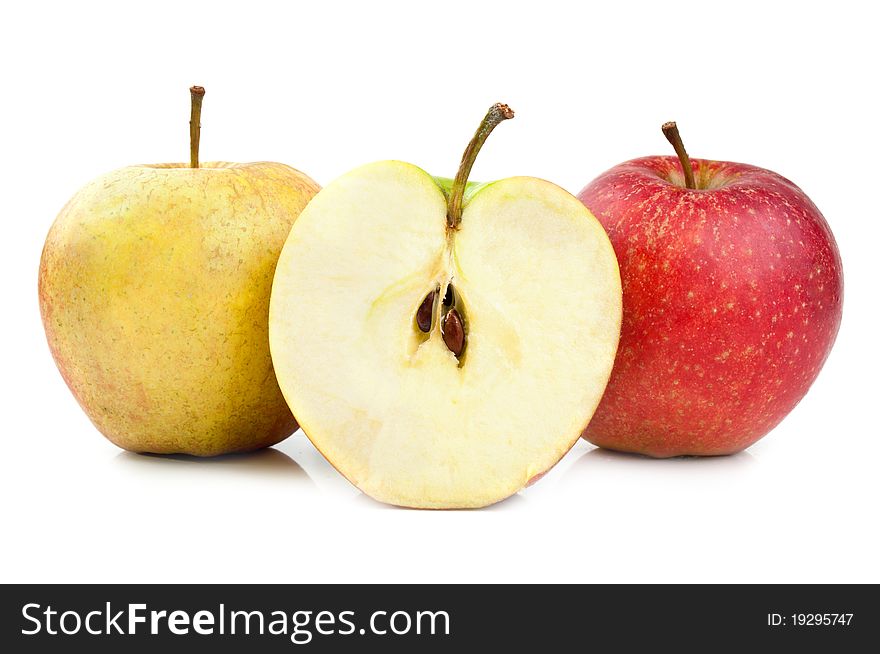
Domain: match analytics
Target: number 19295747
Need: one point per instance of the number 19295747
(809, 620)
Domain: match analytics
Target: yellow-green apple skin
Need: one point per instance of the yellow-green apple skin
(154, 291)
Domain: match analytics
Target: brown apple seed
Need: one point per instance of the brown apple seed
(453, 332)
(425, 312)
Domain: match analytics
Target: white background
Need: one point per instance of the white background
(89, 87)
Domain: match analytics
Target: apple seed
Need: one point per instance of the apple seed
(453, 332)
(426, 312)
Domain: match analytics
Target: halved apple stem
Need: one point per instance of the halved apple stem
(670, 131)
(196, 94)
(497, 114)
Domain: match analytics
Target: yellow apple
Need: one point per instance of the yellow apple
(154, 290)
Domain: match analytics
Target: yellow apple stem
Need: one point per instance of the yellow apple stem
(670, 131)
(196, 94)
(496, 115)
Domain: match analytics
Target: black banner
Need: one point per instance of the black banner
(411, 618)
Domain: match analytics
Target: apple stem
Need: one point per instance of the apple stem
(497, 114)
(670, 131)
(196, 93)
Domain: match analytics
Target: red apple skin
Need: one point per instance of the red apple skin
(732, 299)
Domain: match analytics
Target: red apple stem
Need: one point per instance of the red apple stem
(497, 114)
(670, 131)
(196, 94)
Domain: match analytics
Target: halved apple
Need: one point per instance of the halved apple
(443, 343)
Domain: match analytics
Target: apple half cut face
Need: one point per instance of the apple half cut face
(440, 367)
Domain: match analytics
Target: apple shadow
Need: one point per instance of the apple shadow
(727, 460)
(511, 502)
(601, 460)
(265, 463)
(514, 502)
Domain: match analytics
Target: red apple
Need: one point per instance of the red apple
(732, 298)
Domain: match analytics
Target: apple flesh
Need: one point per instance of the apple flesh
(732, 298)
(419, 409)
